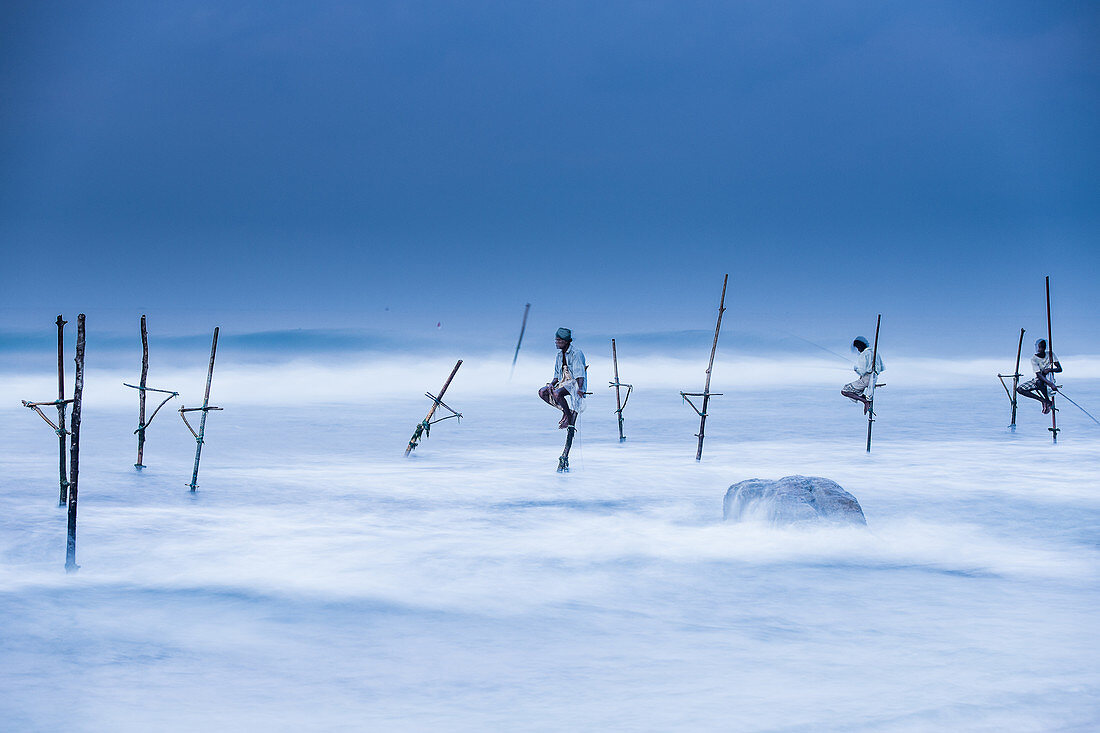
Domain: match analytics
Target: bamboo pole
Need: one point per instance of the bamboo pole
(63, 496)
(74, 450)
(874, 379)
(141, 393)
(1050, 352)
(618, 402)
(706, 394)
(1016, 378)
(522, 329)
(425, 427)
(206, 408)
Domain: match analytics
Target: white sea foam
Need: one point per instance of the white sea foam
(320, 579)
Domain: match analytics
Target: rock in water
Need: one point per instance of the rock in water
(791, 500)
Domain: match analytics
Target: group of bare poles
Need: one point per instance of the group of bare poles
(67, 438)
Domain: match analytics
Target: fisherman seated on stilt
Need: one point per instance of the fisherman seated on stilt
(1044, 364)
(569, 379)
(862, 388)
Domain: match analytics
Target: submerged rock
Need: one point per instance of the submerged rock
(791, 500)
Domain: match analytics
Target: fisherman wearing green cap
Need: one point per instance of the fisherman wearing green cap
(569, 379)
(861, 389)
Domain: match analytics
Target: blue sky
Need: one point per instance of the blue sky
(277, 165)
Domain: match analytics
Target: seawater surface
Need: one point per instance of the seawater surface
(320, 580)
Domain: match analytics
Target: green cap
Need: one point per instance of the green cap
(564, 334)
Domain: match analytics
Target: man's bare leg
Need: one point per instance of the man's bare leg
(556, 398)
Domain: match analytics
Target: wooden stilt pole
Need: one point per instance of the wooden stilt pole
(63, 497)
(425, 426)
(142, 389)
(1050, 352)
(874, 380)
(522, 329)
(570, 433)
(201, 434)
(706, 394)
(1015, 381)
(141, 393)
(74, 450)
(619, 404)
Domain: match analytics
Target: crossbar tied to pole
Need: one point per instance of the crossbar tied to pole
(706, 394)
(423, 429)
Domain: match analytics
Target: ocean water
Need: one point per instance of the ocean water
(320, 580)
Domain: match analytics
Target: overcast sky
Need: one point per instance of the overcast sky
(290, 164)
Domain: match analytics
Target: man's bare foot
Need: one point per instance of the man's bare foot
(866, 405)
(1046, 408)
(565, 418)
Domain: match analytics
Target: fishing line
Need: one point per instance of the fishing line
(1063, 394)
(846, 359)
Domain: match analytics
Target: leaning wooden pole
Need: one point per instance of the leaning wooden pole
(1050, 354)
(201, 434)
(141, 393)
(618, 401)
(1016, 378)
(63, 496)
(74, 450)
(437, 401)
(874, 378)
(706, 394)
(522, 329)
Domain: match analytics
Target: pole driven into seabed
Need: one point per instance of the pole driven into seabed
(142, 389)
(1050, 352)
(522, 328)
(199, 436)
(619, 404)
(60, 403)
(63, 497)
(874, 380)
(74, 448)
(425, 426)
(706, 394)
(1015, 381)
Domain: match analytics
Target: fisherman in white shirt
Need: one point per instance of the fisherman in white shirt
(1044, 364)
(862, 389)
(569, 379)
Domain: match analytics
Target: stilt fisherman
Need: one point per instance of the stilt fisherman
(1044, 364)
(862, 389)
(569, 379)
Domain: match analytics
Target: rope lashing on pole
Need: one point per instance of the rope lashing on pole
(423, 429)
